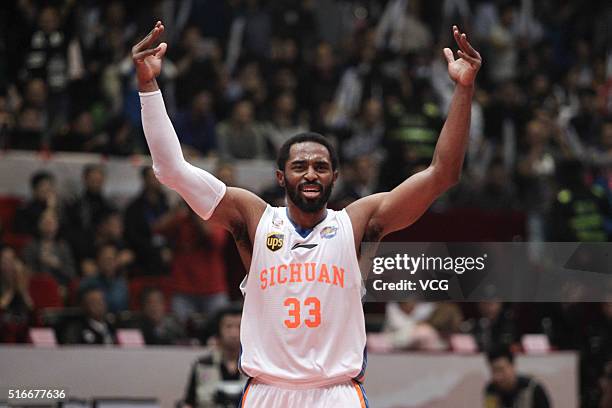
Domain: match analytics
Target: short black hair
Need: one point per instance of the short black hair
(39, 177)
(86, 289)
(500, 351)
(232, 309)
(283, 153)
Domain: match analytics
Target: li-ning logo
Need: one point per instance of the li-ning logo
(307, 246)
(329, 232)
(274, 241)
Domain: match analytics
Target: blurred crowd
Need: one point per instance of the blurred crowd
(241, 77)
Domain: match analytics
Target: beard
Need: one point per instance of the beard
(308, 205)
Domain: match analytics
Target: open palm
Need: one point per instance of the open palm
(148, 61)
(463, 70)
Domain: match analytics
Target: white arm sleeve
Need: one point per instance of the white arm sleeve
(199, 188)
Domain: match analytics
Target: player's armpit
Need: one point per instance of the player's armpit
(377, 215)
(239, 207)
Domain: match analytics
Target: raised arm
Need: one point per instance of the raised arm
(233, 208)
(377, 215)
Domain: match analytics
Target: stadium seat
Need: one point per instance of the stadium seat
(44, 291)
(8, 207)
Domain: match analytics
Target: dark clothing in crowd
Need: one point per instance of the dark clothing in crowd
(526, 394)
(26, 217)
(168, 332)
(89, 331)
(15, 320)
(212, 385)
(140, 217)
(64, 272)
(81, 217)
(581, 214)
(115, 291)
(501, 331)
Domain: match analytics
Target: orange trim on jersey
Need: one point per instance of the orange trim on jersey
(362, 403)
(244, 396)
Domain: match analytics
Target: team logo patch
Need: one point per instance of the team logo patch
(274, 241)
(329, 232)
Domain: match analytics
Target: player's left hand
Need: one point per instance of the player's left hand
(463, 70)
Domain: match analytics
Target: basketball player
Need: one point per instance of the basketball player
(302, 333)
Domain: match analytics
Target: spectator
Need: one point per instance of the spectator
(81, 136)
(599, 153)
(158, 328)
(241, 137)
(285, 121)
(110, 231)
(367, 132)
(257, 29)
(109, 278)
(494, 325)
(507, 389)
(7, 122)
(407, 327)
(497, 193)
(504, 41)
(606, 386)
(44, 197)
(413, 125)
(121, 137)
(357, 83)
(596, 349)
(34, 120)
(317, 88)
(579, 213)
(196, 128)
(249, 84)
(215, 380)
(359, 180)
(15, 302)
(141, 220)
(587, 122)
(49, 254)
(82, 214)
(198, 270)
(536, 168)
(29, 131)
(561, 322)
(54, 56)
(93, 326)
(198, 65)
(401, 23)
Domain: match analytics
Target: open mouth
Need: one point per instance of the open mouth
(311, 191)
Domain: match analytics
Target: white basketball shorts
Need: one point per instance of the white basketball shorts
(349, 394)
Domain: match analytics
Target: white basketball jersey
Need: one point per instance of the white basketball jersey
(303, 323)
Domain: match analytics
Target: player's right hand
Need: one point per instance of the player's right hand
(148, 59)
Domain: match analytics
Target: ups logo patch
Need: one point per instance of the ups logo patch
(274, 241)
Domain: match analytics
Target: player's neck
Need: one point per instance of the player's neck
(304, 219)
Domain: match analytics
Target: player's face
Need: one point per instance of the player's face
(308, 178)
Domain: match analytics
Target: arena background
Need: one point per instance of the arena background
(79, 210)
